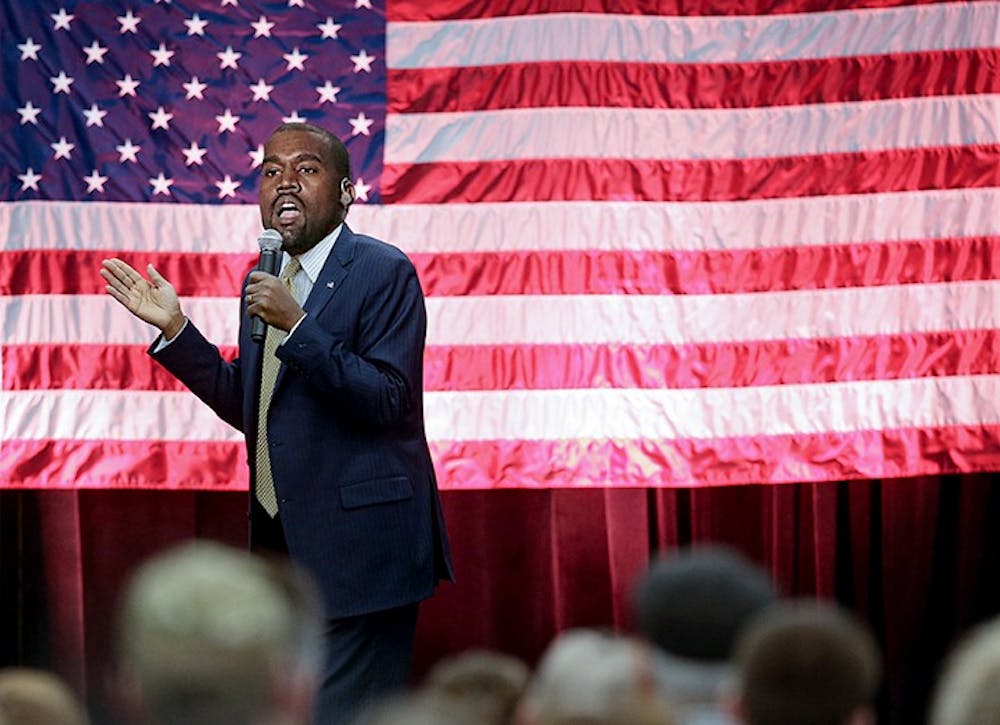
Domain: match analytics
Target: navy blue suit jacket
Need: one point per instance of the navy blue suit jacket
(356, 490)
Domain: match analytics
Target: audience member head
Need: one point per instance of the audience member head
(34, 697)
(807, 663)
(208, 634)
(588, 677)
(692, 603)
(968, 692)
(486, 685)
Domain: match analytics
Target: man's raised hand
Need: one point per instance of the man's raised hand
(153, 300)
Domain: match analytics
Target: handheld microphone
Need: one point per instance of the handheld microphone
(270, 262)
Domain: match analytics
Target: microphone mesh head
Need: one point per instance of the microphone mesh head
(269, 241)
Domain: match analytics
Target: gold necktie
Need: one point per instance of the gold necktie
(269, 373)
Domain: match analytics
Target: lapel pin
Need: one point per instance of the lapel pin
(329, 285)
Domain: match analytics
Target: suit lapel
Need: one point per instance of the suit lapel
(330, 280)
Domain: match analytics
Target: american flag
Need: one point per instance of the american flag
(663, 243)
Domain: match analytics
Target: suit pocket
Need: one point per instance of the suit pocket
(379, 490)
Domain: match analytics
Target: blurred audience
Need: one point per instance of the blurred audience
(588, 677)
(968, 692)
(486, 685)
(33, 697)
(211, 635)
(691, 605)
(806, 663)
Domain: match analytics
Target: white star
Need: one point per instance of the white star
(361, 190)
(29, 49)
(194, 88)
(95, 116)
(127, 151)
(161, 185)
(62, 20)
(127, 86)
(161, 56)
(61, 83)
(227, 121)
(160, 119)
(327, 92)
(196, 26)
(362, 4)
(296, 3)
(261, 91)
(295, 59)
(234, 3)
(257, 156)
(361, 124)
(262, 28)
(228, 58)
(129, 23)
(363, 61)
(29, 114)
(194, 154)
(62, 148)
(95, 53)
(29, 179)
(294, 118)
(95, 182)
(227, 187)
(329, 29)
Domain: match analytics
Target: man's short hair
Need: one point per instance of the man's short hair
(34, 697)
(968, 692)
(692, 603)
(806, 663)
(340, 156)
(207, 632)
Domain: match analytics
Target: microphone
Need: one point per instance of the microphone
(270, 262)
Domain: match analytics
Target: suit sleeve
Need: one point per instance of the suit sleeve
(200, 366)
(380, 379)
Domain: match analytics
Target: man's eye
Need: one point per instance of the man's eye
(270, 172)
(307, 169)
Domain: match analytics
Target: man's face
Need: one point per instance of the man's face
(299, 189)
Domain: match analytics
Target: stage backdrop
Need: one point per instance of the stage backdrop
(663, 244)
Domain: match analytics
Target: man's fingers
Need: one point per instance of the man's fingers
(158, 279)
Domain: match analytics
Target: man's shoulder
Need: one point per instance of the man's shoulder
(378, 250)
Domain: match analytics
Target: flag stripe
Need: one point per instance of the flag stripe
(535, 38)
(712, 180)
(549, 414)
(539, 367)
(416, 10)
(638, 133)
(520, 226)
(533, 464)
(563, 272)
(569, 319)
(697, 85)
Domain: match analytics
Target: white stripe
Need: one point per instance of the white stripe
(688, 134)
(531, 226)
(648, 39)
(550, 414)
(569, 319)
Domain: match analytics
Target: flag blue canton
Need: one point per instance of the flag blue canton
(171, 101)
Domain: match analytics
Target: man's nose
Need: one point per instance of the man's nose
(289, 180)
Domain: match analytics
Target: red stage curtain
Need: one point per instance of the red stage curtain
(916, 558)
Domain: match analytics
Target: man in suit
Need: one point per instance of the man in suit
(340, 471)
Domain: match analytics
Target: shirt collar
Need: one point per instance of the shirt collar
(312, 261)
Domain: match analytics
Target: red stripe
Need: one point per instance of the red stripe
(552, 367)
(76, 271)
(75, 464)
(758, 459)
(534, 464)
(720, 85)
(702, 180)
(406, 10)
(565, 272)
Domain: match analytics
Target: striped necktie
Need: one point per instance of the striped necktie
(270, 365)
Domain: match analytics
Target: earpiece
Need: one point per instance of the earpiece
(346, 192)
